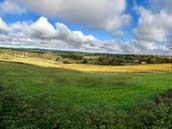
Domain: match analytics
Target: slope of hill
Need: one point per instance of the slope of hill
(88, 67)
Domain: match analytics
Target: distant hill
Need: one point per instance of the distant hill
(72, 57)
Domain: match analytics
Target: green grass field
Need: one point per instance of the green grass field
(61, 87)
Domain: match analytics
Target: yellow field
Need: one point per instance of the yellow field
(132, 68)
(90, 68)
(32, 61)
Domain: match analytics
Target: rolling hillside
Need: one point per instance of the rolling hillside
(88, 67)
(83, 89)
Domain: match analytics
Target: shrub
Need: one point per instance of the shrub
(18, 112)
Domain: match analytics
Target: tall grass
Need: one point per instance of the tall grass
(17, 112)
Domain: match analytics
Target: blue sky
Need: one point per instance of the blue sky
(114, 26)
(101, 34)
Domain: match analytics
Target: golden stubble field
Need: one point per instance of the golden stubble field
(89, 68)
(132, 68)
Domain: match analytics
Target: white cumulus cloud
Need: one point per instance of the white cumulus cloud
(43, 34)
(153, 27)
(102, 14)
(42, 28)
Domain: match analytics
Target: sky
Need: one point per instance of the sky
(108, 26)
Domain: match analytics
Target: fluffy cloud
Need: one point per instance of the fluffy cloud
(42, 28)
(67, 35)
(143, 47)
(42, 34)
(103, 14)
(3, 26)
(153, 27)
(10, 7)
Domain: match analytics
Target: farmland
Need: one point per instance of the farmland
(86, 64)
(49, 62)
(83, 89)
(43, 93)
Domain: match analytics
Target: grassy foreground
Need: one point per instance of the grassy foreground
(49, 98)
(80, 89)
(18, 112)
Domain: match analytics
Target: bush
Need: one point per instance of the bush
(67, 61)
(18, 112)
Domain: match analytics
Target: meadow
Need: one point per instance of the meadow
(165, 67)
(37, 92)
(83, 89)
